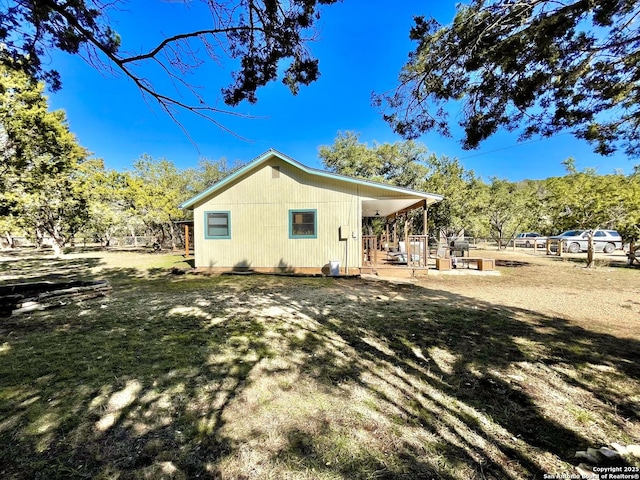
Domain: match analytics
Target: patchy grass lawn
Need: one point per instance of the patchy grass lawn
(269, 377)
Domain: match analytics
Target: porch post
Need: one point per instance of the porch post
(386, 225)
(425, 228)
(186, 240)
(395, 230)
(406, 231)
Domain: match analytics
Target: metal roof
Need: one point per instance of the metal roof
(430, 197)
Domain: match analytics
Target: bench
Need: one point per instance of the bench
(483, 264)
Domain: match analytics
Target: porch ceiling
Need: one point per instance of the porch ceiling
(382, 207)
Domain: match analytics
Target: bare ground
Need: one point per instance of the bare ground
(605, 298)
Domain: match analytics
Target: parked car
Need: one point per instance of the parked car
(527, 239)
(578, 240)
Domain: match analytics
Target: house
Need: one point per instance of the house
(275, 214)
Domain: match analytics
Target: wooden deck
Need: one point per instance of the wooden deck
(388, 265)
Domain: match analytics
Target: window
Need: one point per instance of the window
(217, 225)
(302, 224)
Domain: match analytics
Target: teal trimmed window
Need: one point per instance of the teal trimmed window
(217, 225)
(303, 224)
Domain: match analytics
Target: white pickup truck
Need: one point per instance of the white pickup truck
(527, 239)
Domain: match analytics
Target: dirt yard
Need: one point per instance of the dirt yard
(606, 298)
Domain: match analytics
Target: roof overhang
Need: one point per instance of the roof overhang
(383, 204)
(387, 207)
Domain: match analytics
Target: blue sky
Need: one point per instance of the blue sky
(361, 47)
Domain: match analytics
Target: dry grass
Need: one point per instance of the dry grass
(277, 377)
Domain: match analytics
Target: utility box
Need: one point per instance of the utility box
(344, 232)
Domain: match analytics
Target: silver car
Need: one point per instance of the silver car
(578, 240)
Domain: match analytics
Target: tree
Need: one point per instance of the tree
(41, 183)
(629, 225)
(463, 196)
(506, 210)
(586, 200)
(400, 164)
(109, 212)
(155, 188)
(268, 39)
(409, 164)
(206, 174)
(57, 207)
(32, 139)
(144, 200)
(538, 66)
(9, 227)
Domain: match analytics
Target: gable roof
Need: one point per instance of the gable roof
(256, 162)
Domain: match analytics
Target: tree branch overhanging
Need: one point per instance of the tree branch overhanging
(255, 33)
(534, 66)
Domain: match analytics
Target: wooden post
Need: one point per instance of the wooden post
(425, 228)
(395, 231)
(425, 232)
(186, 240)
(406, 232)
(386, 225)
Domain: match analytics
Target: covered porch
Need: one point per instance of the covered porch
(401, 248)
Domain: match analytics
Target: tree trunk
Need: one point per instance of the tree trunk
(590, 251)
(58, 251)
(172, 234)
(39, 238)
(10, 241)
(58, 241)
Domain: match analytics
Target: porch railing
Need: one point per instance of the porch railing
(417, 251)
(369, 250)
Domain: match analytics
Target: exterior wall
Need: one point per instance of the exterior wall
(259, 204)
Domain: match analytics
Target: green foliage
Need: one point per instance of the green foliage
(507, 209)
(145, 200)
(401, 164)
(537, 66)
(41, 182)
(463, 196)
(268, 39)
(109, 212)
(409, 164)
(587, 200)
(206, 174)
(498, 210)
(57, 207)
(33, 139)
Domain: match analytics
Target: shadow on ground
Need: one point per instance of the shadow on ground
(268, 377)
